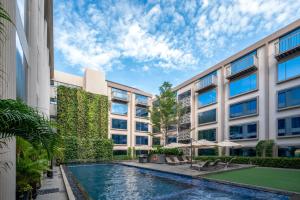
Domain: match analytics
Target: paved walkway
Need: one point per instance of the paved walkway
(181, 169)
(53, 188)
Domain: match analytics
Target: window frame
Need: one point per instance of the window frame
(245, 116)
(207, 123)
(141, 116)
(286, 136)
(119, 128)
(244, 93)
(118, 113)
(289, 107)
(291, 78)
(216, 133)
(141, 130)
(122, 135)
(242, 124)
(141, 144)
(198, 106)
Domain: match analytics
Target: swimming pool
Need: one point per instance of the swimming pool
(114, 181)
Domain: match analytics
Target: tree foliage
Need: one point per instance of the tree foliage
(166, 110)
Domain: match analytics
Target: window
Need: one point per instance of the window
(120, 152)
(207, 98)
(141, 152)
(184, 95)
(288, 69)
(119, 124)
(243, 152)
(53, 100)
(209, 134)
(156, 141)
(289, 98)
(119, 108)
(141, 126)
(141, 99)
(171, 139)
(242, 63)
(120, 94)
(288, 151)
(243, 131)
(141, 140)
(141, 112)
(207, 152)
(119, 139)
(242, 85)
(207, 116)
(244, 108)
(288, 126)
(206, 80)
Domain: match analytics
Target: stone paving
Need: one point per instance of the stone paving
(184, 169)
(53, 188)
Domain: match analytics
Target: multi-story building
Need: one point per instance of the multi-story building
(251, 96)
(129, 125)
(26, 63)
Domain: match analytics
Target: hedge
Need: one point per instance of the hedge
(167, 151)
(82, 122)
(259, 161)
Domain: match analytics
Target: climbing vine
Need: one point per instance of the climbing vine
(264, 148)
(82, 121)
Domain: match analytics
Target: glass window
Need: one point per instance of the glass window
(141, 99)
(119, 124)
(53, 100)
(141, 126)
(171, 139)
(242, 85)
(244, 108)
(207, 80)
(207, 152)
(119, 139)
(288, 151)
(184, 95)
(156, 141)
(120, 152)
(21, 71)
(289, 69)
(209, 134)
(243, 152)
(207, 97)
(207, 116)
(243, 131)
(242, 63)
(289, 41)
(288, 126)
(141, 152)
(288, 98)
(141, 140)
(141, 112)
(119, 108)
(120, 94)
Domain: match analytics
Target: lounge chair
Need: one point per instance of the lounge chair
(177, 160)
(185, 159)
(171, 162)
(188, 159)
(227, 164)
(201, 166)
(214, 163)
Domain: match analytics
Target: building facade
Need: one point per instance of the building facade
(26, 64)
(251, 96)
(129, 125)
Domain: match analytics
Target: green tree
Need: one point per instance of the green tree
(166, 111)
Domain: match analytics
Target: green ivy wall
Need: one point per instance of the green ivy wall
(82, 122)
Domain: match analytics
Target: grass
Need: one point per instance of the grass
(283, 179)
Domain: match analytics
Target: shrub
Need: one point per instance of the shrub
(173, 151)
(259, 161)
(264, 148)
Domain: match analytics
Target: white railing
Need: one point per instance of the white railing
(287, 43)
(207, 81)
(142, 101)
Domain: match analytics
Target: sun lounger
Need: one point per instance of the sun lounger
(184, 158)
(227, 164)
(214, 163)
(201, 166)
(177, 160)
(171, 162)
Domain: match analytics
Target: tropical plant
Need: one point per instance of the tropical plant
(166, 111)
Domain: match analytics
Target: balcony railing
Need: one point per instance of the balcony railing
(119, 96)
(207, 82)
(287, 45)
(142, 101)
(249, 63)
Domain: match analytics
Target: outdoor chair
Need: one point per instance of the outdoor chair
(171, 162)
(177, 160)
(184, 158)
(214, 163)
(229, 163)
(201, 166)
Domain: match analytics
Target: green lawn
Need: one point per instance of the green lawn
(283, 179)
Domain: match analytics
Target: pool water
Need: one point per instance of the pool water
(114, 181)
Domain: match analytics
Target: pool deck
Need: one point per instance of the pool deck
(181, 169)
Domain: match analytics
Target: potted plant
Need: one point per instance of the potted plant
(23, 190)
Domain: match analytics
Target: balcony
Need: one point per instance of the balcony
(142, 101)
(243, 66)
(119, 96)
(287, 45)
(206, 83)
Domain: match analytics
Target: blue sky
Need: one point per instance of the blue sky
(143, 43)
